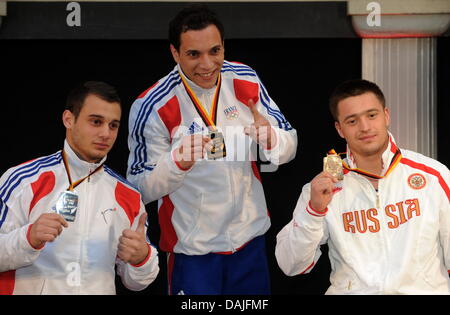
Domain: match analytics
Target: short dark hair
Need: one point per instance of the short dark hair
(77, 96)
(353, 88)
(194, 17)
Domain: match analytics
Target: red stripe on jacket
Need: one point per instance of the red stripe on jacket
(42, 187)
(170, 115)
(129, 200)
(169, 237)
(7, 282)
(245, 90)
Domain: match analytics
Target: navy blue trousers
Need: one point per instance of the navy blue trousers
(242, 272)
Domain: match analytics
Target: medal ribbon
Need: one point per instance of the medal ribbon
(394, 162)
(78, 182)
(209, 120)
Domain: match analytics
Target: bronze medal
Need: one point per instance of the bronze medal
(218, 149)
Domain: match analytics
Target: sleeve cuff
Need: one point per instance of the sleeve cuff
(276, 141)
(314, 212)
(177, 163)
(146, 258)
(29, 241)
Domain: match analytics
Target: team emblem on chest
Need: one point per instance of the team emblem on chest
(416, 181)
(231, 112)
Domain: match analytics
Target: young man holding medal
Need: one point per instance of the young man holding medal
(67, 220)
(386, 220)
(212, 210)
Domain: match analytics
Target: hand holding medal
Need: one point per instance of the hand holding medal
(260, 131)
(46, 229)
(191, 149)
(323, 185)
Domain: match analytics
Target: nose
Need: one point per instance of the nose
(105, 132)
(364, 124)
(206, 62)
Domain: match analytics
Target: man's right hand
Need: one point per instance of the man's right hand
(46, 229)
(191, 149)
(322, 191)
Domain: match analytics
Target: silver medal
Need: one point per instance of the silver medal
(67, 205)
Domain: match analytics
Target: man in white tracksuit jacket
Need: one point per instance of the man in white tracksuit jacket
(387, 223)
(41, 252)
(212, 213)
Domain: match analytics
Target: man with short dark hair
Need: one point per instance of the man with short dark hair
(66, 220)
(386, 220)
(212, 209)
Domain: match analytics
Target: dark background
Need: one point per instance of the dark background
(301, 51)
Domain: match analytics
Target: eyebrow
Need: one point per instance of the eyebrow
(102, 117)
(360, 114)
(189, 51)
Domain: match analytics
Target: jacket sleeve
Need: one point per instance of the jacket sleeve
(151, 167)
(138, 277)
(298, 243)
(15, 249)
(444, 231)
(286, 146)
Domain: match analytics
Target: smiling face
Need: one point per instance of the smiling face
(363, 122)
(201, 55)
(93, 133)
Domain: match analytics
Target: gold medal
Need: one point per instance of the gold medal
(332, 164)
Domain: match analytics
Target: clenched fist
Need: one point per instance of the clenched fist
(46, 229)
(322, 187)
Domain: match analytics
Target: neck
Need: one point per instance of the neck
(372, 164)
(80, 156)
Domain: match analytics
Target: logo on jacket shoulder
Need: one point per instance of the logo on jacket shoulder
(416, 181)
(231, 112)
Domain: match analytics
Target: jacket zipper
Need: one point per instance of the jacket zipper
(233, 196)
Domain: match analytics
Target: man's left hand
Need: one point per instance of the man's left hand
(133, 247)
(260, 131)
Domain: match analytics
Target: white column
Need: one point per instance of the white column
(405, 70)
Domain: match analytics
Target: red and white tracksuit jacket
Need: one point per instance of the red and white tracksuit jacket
(394, 241)
(216, 206)
(82, 259)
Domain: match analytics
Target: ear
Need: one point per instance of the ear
(387, 116)
(175, 54)
(68, 119)
(338, 128)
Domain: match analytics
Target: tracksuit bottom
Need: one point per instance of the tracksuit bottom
(240, 273)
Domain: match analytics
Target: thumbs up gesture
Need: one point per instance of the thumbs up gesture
(133, 246)
(260, 131)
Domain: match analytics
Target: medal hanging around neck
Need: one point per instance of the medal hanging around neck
(67, 203)
(334, 165)
(218, 149)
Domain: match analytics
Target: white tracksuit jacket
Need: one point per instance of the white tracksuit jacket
(216, 206)
(82, 259)
(394, 241)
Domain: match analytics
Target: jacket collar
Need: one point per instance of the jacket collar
(78, 167)
(386, 157)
